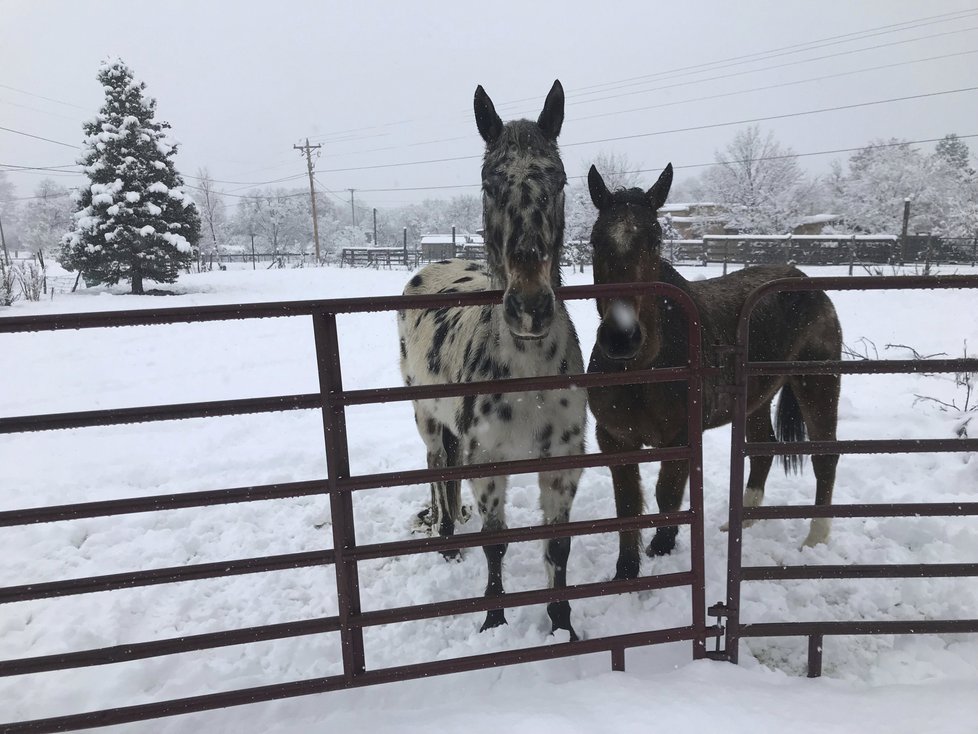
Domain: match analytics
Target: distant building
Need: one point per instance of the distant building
(816, 223)
(438, 246)
(445, 246)
(692, 220)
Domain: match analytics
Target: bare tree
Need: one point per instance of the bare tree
(617, 170)
(758, 182)
(46, 218)
(213, 214)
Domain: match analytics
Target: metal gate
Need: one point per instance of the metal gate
(339, 485)
(744, 369)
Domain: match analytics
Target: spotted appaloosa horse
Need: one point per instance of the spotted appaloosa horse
(645, 332)
(529, 335)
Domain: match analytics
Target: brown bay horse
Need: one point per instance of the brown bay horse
(642, 332)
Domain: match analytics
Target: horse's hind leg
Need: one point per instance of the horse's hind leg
(818, 398)
(446, 498)
(759, 430)
(490, 495)
(557, 490)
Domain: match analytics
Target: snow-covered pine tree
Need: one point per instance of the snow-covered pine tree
(134, 221)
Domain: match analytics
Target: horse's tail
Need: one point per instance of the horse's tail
(789, 425)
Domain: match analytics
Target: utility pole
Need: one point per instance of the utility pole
(312, 190)
(6, 253)
(904, 248)
(353, 210)
(375, 226)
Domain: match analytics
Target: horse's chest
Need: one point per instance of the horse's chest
(529, 424)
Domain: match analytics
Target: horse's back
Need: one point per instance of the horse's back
(448, 276)
(784, 324)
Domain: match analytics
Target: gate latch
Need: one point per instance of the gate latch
(718, 610)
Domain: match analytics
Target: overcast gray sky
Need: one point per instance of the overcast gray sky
(387, 84)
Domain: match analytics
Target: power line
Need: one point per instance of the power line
(46, 196)
(39, 168)
(720, 63)
(657, 77)
(248, 183)
(38, 137)
(694, 165)
(777, 66)
(689, 100)
(36, 109)
(775, 86)
(674, 130)
(248, 196)
(41, 96)
(807, 154)
(773, 117)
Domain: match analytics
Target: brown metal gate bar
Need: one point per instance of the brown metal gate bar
(339, 485)
(741, 449)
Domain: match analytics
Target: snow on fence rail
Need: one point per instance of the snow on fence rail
(339, 485)
(822, 249)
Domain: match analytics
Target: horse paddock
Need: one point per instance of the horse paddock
(247, 367)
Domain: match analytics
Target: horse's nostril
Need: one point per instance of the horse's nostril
(512, 305)
(619, 343)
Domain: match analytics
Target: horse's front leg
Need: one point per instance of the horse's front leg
(557, 490)
(669, 491)
(490, 495)
(628, 502)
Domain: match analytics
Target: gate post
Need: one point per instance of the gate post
(694, 440)
(340, 502)
(738, 450)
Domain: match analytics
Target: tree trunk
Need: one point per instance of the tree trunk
(137, 283)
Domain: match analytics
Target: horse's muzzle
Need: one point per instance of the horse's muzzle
(617, 343)
(529, 316)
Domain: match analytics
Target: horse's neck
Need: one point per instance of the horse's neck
(672, 321)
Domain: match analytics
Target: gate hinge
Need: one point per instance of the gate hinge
(718, 610)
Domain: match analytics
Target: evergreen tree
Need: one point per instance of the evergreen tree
(134, 221)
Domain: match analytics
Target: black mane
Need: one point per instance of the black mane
(631, 197)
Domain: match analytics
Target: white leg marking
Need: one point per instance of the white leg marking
(819, 532)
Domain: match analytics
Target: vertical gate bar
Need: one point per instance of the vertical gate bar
(814, 656)
(738, 451)
(694, 439)
(340, 503)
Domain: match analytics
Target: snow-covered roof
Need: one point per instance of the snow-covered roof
(818, 219)
(440, 239)
(683, 206)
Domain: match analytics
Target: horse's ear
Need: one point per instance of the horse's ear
(552, 117)
(660, 189)
(600, 195)
(486, 119)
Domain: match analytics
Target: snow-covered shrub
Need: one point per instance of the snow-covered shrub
(30, 276)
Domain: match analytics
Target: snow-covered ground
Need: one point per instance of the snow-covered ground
(885, 683)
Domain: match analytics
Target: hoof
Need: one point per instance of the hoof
(627, 568)
(663, 542)
(725, 528)
(452, 556)
(559, 612)
(570, 630)
(494, 618)
(818, 532)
